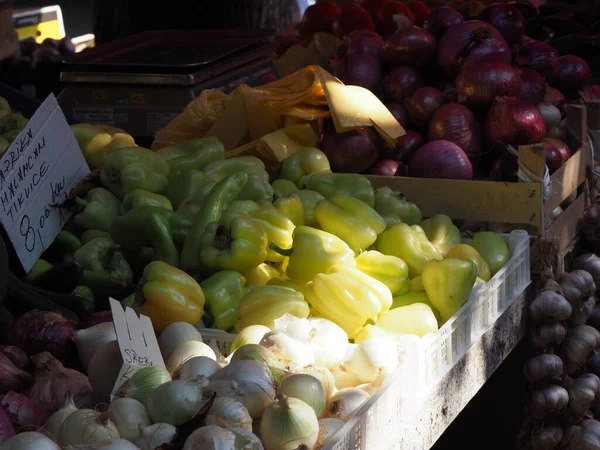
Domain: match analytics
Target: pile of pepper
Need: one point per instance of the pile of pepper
(183, 234)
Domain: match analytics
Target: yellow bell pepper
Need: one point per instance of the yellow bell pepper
(265, 304)
(441, 232)
(468, 253)
(350, 219)
(416, 297)
(169, 295)
(390, 270)
(314, 251)
(416, 284)
(417, 318)
(278, 227)
(348, 297)
(373, 331)
(285, 282)
(261, 275)
(291, 207)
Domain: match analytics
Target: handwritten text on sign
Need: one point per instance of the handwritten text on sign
(37, 172)
(137, 343)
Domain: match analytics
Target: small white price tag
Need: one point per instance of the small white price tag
(137, 342)
(37, 172)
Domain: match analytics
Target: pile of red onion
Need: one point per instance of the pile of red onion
(476, 82)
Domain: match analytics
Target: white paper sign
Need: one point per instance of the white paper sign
(137, 343)
(39, 170)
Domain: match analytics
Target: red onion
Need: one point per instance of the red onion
(96, 318)
(420, 10)
(478, 85)
(573, 75)
(505, 168)
(533, 87)
(538, 56)
(472, 42)
(401, 82)
(352, 18)
(393, 16)
(53, 381)
(399, 112)
(320, 17)
(6, 428)
(354, 151)
(362, 42)
(439, 20)
(423, 104)
(560, 145)
(456, 123)
(11, 377)
(596, 92)
(17, 356)
(554, 158)
(441, 159)
(554, 97)
(407, 145)
(385, 167)
(40, 331)
(449, 90)
(361, 70)
(409, 47)
(512, 121)
(507, 20)
(372, 6)
(23, 412)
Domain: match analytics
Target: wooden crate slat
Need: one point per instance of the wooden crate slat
(568, 178)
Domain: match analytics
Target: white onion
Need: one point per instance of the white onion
(30, 440)
(143, 383)
(328, 340)
(254, 379)
(87, 427)
(344, 402)
(196, 367)
(323, 375)
(56, 420)
(186, 351)
(230, 412)
(288, 350)
(113, 444)
(225, 388)
(213, 437)
(89, 340)
(343, 378)
(249, 335)
(327, 428)
(176, 402)
(153, 436)
(288, 423)
(175, 334)
(128, 415)
(104, 369)
(306, 388)
(372, 356)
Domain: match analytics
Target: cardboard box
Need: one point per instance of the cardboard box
(39, 23)
(506, 206)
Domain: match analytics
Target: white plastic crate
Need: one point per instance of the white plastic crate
(426, 360)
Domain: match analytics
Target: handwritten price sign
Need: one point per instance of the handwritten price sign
(37, 172)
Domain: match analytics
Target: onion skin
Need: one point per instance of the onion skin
(457, 124)
(533, 87)
(362, 42)
(411, 46)
(538, 56)
(423, 104)
(399, 112)
(471, 42)
(96, 318)
(6, 428)
(441, 159)
(23, 412)
(385, 17)
(386, 168)
(401, 83)
(351, 152)
(407, 145)
(573, 74)
(319, 17)
(477, 85)
(17, 356)
(562, 150)
(361, 70)
(507, 20)
(554, 97)
(512, 121)
(439, 20)
(351, 18)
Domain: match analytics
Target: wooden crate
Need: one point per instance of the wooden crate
(523, 205)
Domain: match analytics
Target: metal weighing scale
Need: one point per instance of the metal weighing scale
(140, 83)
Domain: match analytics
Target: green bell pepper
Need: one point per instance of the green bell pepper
(237, 208)
(441, 232)
(97, 209)
(88, 235)
(195, 154)
(138, 198)
(223, 292)
(390, 203)
(329, 184)
(390, 270)
(129, 168)
(410, 244)
(291, 207)
(64, 246)
(218, 170)
(152, 226)
(192, 205)
(184, 184)
(492, 248)
(309, 200)
(219, 198)
(304, 162)
(242, 246)
(257, 188)
(283, 188)
(105, 269)
(40, 267)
